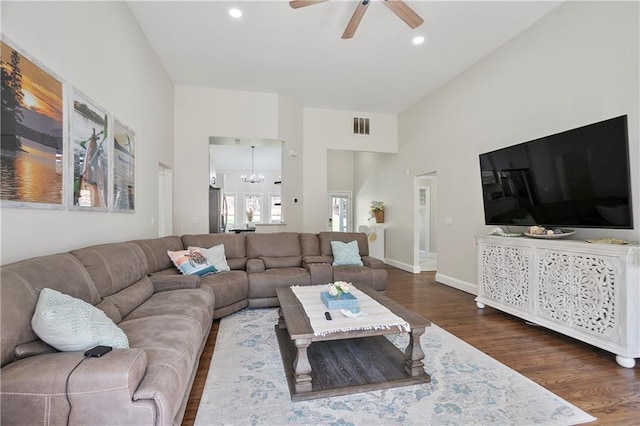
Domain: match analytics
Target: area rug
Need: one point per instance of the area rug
(246, 385)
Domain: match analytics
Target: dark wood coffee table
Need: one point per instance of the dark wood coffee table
(346, 362)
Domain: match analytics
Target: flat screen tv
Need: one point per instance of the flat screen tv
(577, 178)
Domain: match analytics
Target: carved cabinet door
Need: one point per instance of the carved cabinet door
(579, 290)
(505, 274)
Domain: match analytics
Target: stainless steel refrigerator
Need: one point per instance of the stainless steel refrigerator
(217, 211)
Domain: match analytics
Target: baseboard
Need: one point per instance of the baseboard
(403, 266)
(456, 283)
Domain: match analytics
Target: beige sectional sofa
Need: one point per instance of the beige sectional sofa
(166, 317)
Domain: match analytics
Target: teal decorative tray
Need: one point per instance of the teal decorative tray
(346, 301)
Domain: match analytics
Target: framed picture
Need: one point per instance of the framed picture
(33, 123)
(91, 153)
(124, 167)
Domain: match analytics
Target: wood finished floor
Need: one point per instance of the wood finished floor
(579, 373)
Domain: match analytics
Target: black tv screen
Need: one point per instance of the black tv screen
(577, 178)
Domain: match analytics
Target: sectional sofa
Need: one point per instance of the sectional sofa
(166, 317)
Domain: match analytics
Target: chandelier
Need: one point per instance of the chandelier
(253, 178)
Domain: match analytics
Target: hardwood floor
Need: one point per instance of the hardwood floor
(579, 373)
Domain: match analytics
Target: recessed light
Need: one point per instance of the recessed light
(236, 13)
(418, 40)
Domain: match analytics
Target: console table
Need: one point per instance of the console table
(590, 292)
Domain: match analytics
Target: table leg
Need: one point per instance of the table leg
(281, 323)
(302, 367)
(413, 354)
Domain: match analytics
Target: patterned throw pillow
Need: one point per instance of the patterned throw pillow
(346, 254)
(191, 262)
(215, 256)
(70, 324)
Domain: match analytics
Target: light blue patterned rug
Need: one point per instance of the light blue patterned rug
(246, 385)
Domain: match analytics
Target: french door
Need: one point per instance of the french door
(340, 212)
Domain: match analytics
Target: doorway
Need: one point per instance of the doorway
(340, 213)
(425, 256)
(165, 201)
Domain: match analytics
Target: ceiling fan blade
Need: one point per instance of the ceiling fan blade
(404, 12)
(295, 4)
(352, 26)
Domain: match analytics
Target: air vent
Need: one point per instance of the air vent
(360, 126)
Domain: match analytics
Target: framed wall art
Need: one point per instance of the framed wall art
(90, 153)
(124, 172)
(33, 132)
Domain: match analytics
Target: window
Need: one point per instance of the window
(275, 213)
(253, 207)
(230, 200)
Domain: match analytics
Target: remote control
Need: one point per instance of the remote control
(97, 351)
(327, 315)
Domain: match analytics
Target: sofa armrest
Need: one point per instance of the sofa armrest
(98, 388)
(372, 262)
(321, 273)
(315, 259)
(174, 282)
(255, 265)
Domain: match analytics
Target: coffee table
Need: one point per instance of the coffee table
(347, 362)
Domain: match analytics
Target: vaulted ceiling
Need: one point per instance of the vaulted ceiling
(299, 52)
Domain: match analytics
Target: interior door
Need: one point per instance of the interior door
(340, 212)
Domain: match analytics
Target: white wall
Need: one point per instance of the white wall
(339, 170)
(290, 122)
(99, 49)
(576, 66)
(201, 113)
(332, 129)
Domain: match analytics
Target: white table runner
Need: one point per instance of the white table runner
(378, 317)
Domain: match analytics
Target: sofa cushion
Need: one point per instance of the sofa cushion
(374, 278)
(70, 324)
(196, 303)
(345, 254)
(325, 239)
(282, 262)
(21, 284)
(172, 344)
(191, 262)
(229, 287)
(234, 246)
(129, 298)
(113, 267)
(155, 250)
(264, 284)
(309, 244)
(215, 256)
(280, 244)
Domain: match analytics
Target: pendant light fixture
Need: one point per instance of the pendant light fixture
(253, 178)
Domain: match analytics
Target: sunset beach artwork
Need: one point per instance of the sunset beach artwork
(32, 132)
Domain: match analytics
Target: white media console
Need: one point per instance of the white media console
(590, 292)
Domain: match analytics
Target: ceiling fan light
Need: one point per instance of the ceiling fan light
(418, 40)
(235, 13)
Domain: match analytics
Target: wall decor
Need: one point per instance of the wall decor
(89, 127)
(32, 122)
(124, 172)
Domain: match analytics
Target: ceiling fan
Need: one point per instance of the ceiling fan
(398, 7)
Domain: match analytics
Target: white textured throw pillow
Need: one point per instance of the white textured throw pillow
(215, 256)
(346, 254)
(70, 324)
